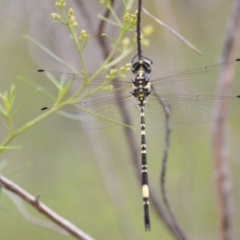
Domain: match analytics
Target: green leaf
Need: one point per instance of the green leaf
(110, 38)
(129, 5)
(119, 58)
(21, 106)
(37, 89)
(104, 118)
(108, 20)
(50, 53)
(54, 81)
(8, 99)
(12, 95)
(4, 96)
(10, 147)
(3, 112)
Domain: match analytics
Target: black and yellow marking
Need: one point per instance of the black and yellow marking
(145, 188)
(141, 90)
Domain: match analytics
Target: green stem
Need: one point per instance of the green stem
(110, 56)
(115, 16)
(119, 58)
(79, 48)
(73, 99)
(10, 123)
(13, 135)
(103, 67)
(76, 42)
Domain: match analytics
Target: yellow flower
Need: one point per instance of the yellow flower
(75, 24)
(145, 42)
(148, 30)
(70, 12)
(83, 35)
(61, 4)
(126, 41)
(56, 16)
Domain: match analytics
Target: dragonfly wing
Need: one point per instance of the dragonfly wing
(98, 111)
(193, 108)
(193, 81)
(92, 114)
(52, 81)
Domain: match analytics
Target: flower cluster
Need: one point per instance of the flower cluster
(56, 16)
(118, 73)
(71, 19)
(147, 31)
(130, 20)
(61, 4)
(83, 36)
(72, 22)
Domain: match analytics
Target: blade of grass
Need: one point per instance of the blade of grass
(50, 53)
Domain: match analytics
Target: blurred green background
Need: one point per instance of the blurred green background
(87, 176)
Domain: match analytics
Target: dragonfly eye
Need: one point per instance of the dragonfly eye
(144, 64)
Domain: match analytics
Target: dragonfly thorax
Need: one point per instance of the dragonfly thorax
(141, 85)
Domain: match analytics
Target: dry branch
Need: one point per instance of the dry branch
(43, 209)
(222, 173)
(180, 37)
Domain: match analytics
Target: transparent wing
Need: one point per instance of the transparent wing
(98, 111)
(189, 81)
(92, 114)
(193, 108)
(185, 91)
(196, 80)
(51, 80)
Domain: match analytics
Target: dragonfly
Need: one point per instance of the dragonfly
(189, 93)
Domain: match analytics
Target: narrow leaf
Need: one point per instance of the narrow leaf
(108, 20)
(50, 53)
(3, 112)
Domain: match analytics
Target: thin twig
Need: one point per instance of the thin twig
(102, 40)
(184, 40)
(167, 113)
(43, 209)
(223, 178)
(138, 29)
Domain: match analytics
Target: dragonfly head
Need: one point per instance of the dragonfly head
(144, 64)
